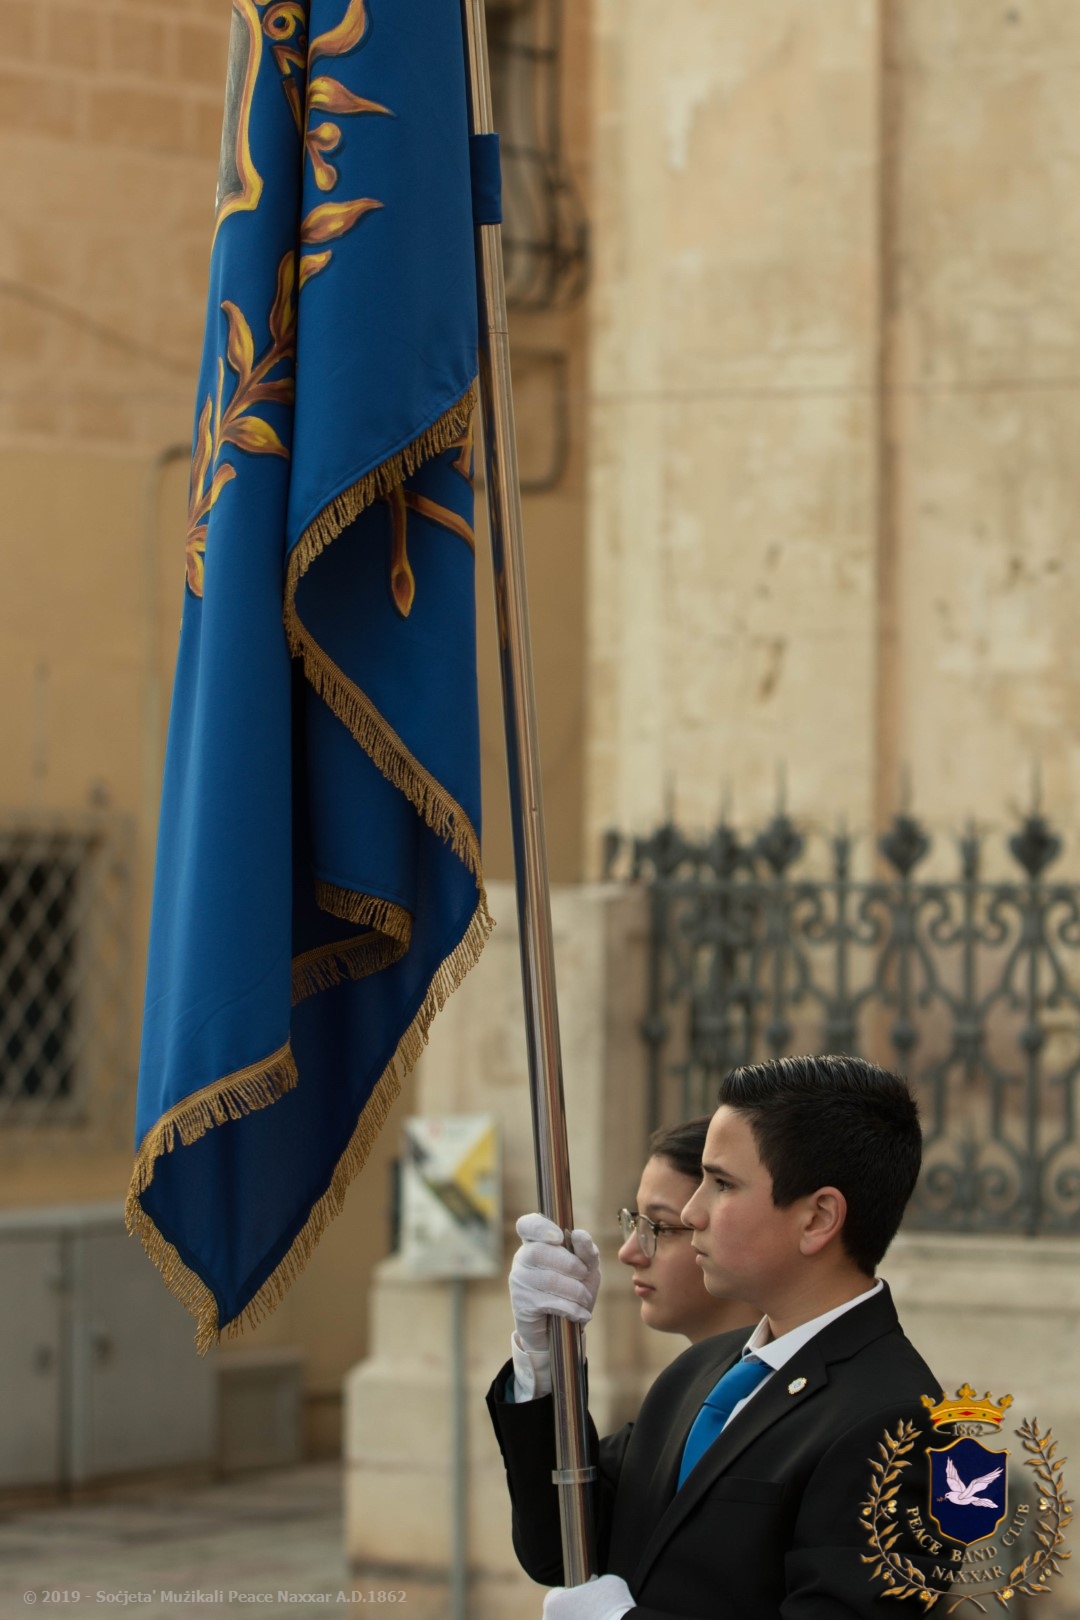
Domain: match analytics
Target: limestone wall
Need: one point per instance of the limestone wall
(110, 123)
(834, 395)
(732, 475)
(986, 334)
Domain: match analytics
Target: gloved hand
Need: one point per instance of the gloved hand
(547, 1280)
(605, 1598)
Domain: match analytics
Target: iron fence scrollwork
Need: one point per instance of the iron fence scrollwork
(966, 984)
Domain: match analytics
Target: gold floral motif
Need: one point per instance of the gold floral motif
(402, 579)
(402, 501)
(233, 423)
(346, 36)
(326, 221)
(333, 219)
(284, 24)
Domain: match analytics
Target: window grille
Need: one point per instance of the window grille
(65, 969)
(545, 235)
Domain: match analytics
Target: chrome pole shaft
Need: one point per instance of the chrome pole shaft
(527, 817)
(459, 1443)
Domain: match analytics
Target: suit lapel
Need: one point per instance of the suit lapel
(666, 1473)
(770, 1404)
(841, 1339)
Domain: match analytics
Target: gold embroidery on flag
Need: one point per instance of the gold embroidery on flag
(239, 184)
(232, 423)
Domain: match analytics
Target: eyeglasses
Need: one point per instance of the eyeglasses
(648, 1232)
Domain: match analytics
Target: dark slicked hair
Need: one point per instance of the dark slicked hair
(682, 1146)
(835, 1122)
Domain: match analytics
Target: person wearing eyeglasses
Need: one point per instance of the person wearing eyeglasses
(737, 1492)
(656, 1245)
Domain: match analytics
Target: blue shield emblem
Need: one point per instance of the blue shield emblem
(967, 1489)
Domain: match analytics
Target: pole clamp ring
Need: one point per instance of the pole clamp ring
(573, 1476)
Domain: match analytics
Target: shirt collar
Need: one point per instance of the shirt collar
(776, 1352)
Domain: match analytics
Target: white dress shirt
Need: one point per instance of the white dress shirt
(776, 1353)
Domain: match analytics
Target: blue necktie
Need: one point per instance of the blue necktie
(738, 1382)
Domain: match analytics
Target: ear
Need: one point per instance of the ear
(825, 1214)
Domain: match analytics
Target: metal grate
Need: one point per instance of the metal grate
(65, 970)
(966, 984)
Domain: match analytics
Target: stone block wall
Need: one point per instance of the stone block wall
(833, 395)
(110, 124)
(985, 334)
(732, 566)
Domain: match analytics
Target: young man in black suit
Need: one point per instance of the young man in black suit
(736, 1494)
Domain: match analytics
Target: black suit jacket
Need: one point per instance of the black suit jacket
(767, 1525)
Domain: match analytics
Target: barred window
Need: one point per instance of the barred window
(37, 989)
(64, 969)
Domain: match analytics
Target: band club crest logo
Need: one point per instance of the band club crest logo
(975, 1533)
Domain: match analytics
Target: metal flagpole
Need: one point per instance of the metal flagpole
(573, 1476)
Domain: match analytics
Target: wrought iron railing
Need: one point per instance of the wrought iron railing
(971, 986)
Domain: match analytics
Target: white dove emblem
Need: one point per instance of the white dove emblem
(966, 1495)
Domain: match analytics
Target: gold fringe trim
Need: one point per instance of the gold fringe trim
(381, 480)
(446, 980)
(368, 910)
(237, 1094)
(257, 1086)
(189, 1288)
(389, 754)
(328, 965)
(353, 707)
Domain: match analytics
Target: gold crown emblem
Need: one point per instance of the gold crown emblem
(967, 1408)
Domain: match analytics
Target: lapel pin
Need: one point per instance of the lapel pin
(796, 1385)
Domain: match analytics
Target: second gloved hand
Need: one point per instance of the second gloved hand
(606, 1598)
(546, 1279)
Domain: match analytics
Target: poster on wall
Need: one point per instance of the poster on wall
(451, 1210)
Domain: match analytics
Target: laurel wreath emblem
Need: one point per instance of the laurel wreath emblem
(1055, 1507)
(903, 1580)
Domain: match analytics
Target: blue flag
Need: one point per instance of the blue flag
(318, 891)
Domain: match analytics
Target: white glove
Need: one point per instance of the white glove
(606, 1598)
(546, 1279)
